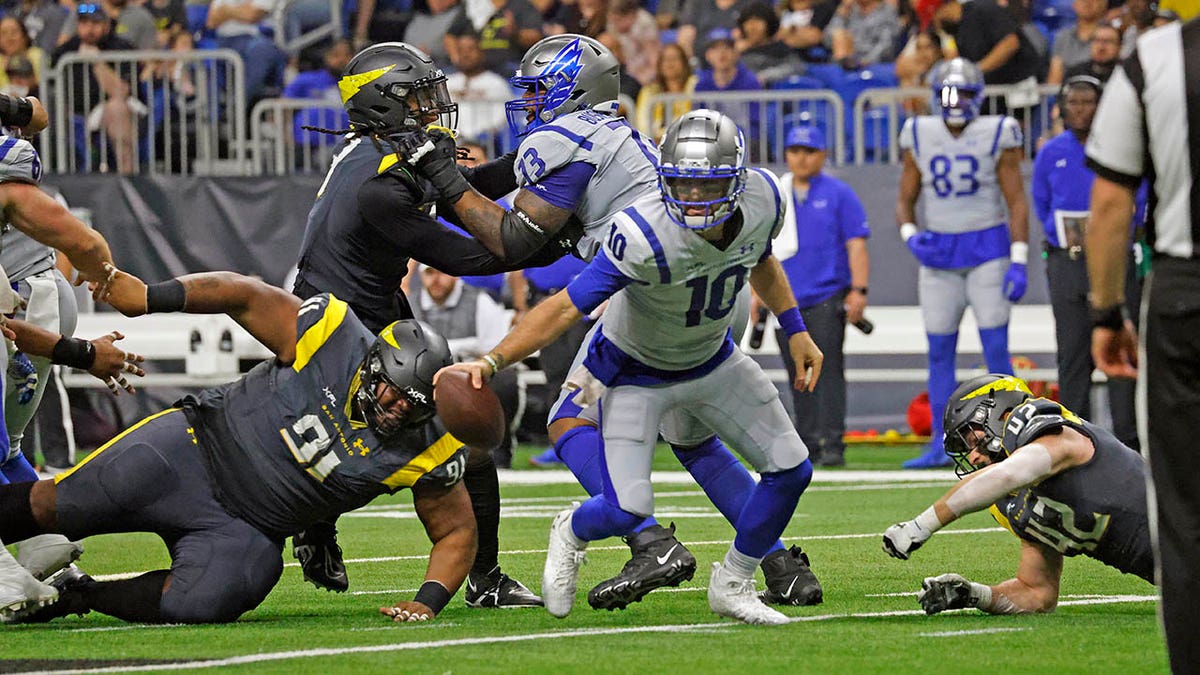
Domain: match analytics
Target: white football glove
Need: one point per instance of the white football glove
(948, 591)
(901, 539)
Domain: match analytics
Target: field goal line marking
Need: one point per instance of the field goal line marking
(541, 551)
(501, 639)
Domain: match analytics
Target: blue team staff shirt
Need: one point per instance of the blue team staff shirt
(1062, 186)
(829, 216)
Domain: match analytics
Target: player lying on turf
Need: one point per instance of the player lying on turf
(1063, 485)
(673, 264)
(338, 417)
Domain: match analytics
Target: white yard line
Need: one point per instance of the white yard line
(527, 637)
(978, 631)
(542, 551)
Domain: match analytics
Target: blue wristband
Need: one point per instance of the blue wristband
(791, 322)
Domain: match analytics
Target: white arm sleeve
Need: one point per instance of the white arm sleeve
(1029, 464)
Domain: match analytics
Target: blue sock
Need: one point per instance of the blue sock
(580, 449)
(18, 470)
(941, 381)
(770, 508)
(597, 518)
(995, 349)
(722, 477)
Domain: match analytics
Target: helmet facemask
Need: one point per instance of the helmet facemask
(536, 107)
(408, 409)
(427, 101)
(960, 103)
(559, 75)
(701, 198)
(976, 435)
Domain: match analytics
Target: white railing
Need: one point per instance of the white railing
(880, 113)
(765, 117)
(149, 111)
(278, 146)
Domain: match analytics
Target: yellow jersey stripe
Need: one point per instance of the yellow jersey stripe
(1000, 518)
(319, 333)
(442, 450)
(109, 444)
(388, 162)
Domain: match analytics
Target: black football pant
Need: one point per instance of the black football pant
(1171, 381)
(1068, 280)
(820, 415)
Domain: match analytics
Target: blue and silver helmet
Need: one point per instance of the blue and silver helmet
(561, 74)
(702, 170)
(957, 90)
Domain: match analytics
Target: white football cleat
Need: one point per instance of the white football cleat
(46, 554)
(19, 589)
(734, 597)
(564, 556)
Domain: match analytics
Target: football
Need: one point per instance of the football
(471, 415)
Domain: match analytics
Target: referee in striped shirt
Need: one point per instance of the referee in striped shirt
(1148, 124)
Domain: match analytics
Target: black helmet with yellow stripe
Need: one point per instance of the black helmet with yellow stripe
(404, 358)
(981, 404)
(394, 86)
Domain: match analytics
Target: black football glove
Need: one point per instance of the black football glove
(948, 591)
(433, 153)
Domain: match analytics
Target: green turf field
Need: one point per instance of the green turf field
(870, 620)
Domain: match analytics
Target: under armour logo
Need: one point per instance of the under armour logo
(1062, 163)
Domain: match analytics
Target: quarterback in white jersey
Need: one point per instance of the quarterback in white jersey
(577, 166)
(965, 169)
(673, 265)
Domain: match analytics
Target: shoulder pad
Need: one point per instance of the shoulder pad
(1036, 417)
(448, 472)
(1010, 133)
(19, 161)
(632, 246)
(316, 321)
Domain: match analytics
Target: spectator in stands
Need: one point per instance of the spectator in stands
(760, 50)
(20, 77)
(802, 26)
(666, 14)
(914, 64)
(170, 17)
(427, 30)
(134, 23)
(823, 249)
(1072, 43)
(14, 43)
(674, 76)
(863, 32)
(582, 17)
(43, 20)
(1105, 54)
(472, 322)
(505, 28)
(701, 19)
(98, 93)
(170, 88)
(479, 92)
(321, 85)
(988, 35)
(239, 25)
(635, 28)
(1134, 18)
(728, 73)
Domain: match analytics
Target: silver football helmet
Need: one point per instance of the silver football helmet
(702, 170)
(562, 74)
(957, 90)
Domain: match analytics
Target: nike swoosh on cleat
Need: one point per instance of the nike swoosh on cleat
(792, 585)
(666, 556)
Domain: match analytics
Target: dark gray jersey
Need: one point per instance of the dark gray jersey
(281, 443)
(1097, 509)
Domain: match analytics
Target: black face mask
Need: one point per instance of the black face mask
(950, 27)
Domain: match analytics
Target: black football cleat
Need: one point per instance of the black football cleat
(498, 590)
(69, 581)
(321, 558)
(790, 580)
(658, 560)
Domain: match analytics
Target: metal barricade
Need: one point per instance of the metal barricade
(280, 146)
(766, 116)
(879, 115)
(150, 111)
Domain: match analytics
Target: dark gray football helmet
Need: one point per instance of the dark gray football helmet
(702, 168)
(405, 356)
(562, 74)
(981, 404)
(393, 86)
